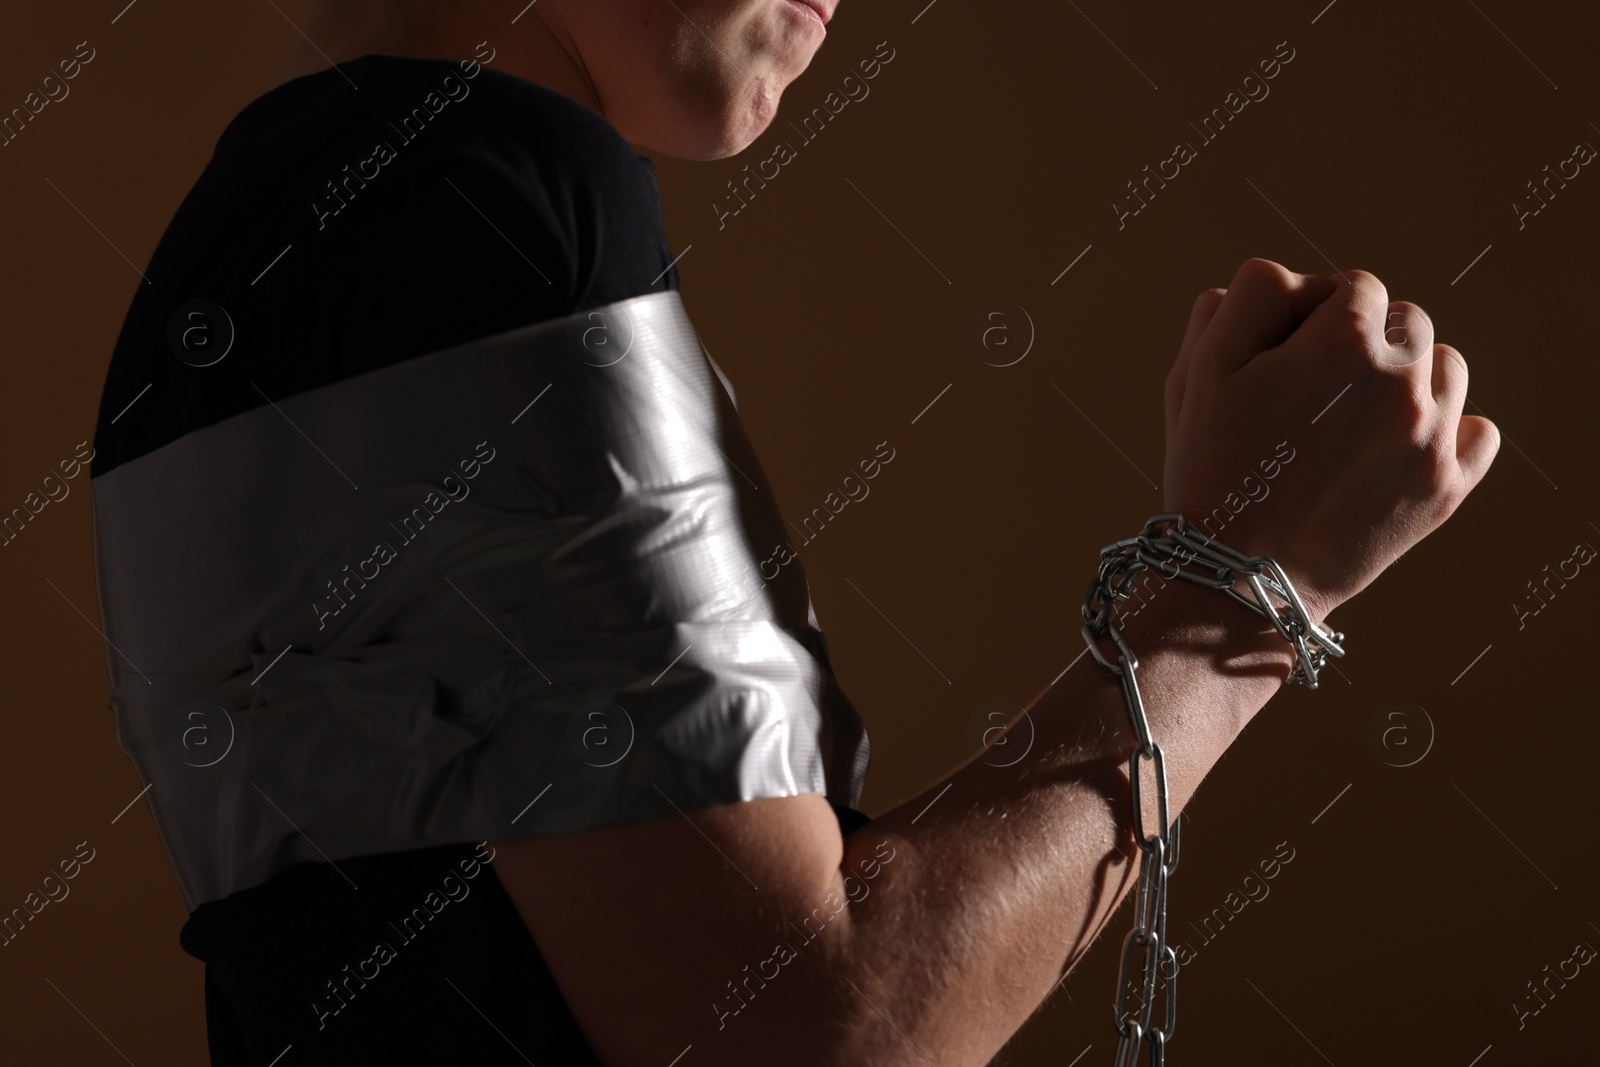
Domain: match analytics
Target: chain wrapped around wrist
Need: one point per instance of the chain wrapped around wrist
(1177, 550)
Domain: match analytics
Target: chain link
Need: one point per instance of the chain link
(1169, 544)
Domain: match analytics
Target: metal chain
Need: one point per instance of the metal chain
(1177, 550)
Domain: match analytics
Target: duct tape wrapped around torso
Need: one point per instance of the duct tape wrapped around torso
(525, 585)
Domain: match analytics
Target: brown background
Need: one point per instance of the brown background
(994, 143)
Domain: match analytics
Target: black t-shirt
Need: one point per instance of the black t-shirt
(341, 228)
(513, 204)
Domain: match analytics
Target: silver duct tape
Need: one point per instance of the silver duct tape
(522, 586)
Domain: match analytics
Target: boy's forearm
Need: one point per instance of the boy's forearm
(1002, 880)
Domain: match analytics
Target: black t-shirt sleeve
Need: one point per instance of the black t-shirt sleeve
(456, 248)
(520, 207)
(478, 240)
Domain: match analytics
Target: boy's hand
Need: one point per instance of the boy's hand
(1356, 387)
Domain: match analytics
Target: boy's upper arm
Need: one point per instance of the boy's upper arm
(644, 925)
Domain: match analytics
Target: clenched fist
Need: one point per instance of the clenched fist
(1354, 384)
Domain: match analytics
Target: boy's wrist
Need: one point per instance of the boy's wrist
(1183, 614)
